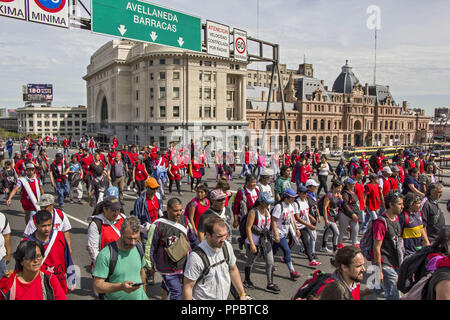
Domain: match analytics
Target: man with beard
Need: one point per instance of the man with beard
(344, 283)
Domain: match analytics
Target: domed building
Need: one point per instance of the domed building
(346, 81)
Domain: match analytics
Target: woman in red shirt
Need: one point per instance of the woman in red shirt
(28, 282)
(197, 206)
(140, 174)
(174, 175)
(195, 174)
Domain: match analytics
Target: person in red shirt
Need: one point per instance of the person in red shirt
(115, 142)
(359, 189)
(131, 160)
(57, 258)
(86, 161)
(195, 173)
(111, 156)
(92, 145)
(286, 158)
(372, 200)
(140, 174)
(66, 143)
(385, 186)
(174, 176)
(28, 282)
(154, 151)
(197, 206)
(365, 165)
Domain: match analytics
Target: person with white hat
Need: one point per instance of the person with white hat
(385, 185)
(264, 180)
(31, 192)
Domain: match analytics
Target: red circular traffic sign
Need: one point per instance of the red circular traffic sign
(240, 45)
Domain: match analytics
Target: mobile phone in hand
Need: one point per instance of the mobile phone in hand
(137, 284)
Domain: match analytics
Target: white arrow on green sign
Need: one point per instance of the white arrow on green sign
(143, 21)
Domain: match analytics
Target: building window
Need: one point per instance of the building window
(162, 111)
(137, 95)
(151, 76)
(137, 113)
(208, 93)
(200, 112)
(69, 123)
(151, 112)
(162, 76)
(176, 93)
(208, 63)
(151, 93)
(162, 92)
(136, 79)
(208, 112)
(162, 61)
(54, 115)
(54, 123)
(176, 111)
(39, 123)
(200, 93)
(207, 76)
(230, 95)
(176, 76)
(176, 61)
(150, 63)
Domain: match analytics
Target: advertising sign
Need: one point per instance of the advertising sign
(39, 92)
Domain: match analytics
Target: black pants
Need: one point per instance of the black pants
(140, 186)
(178, 184)
(306, 239)
(323, 184)
(198, 180)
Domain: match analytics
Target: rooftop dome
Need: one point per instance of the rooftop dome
(346, 80)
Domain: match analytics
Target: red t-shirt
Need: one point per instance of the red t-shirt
(33, 290)
(153, 208)
(175, 170)
(359, 191)
(305, 173)
(139, 173)
(374, 199)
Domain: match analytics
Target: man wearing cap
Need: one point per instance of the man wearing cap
(31, 192)
(217, 207)
(395, 179)
(59, 171)
(104, 227)
(60, 221)
(385, 185)
(148, 207)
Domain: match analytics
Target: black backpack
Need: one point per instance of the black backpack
(312, 285)
(114, 256)
(413, 269)
(206, 262)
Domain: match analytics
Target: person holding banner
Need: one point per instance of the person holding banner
(31, 192)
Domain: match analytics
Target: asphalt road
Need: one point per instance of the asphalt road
(78, 213)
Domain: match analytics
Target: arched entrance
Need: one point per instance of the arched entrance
(104, 114)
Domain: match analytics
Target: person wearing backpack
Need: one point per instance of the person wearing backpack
(170, 240)
(303, 219)
(28, 282)
(282, 218)
(349, 213)
(259, 240)
(211, 268)
(387, 248)
(283, 182)
(104, 227)
(245, 199)
(331, 204)
(413, 233)
(126, 281)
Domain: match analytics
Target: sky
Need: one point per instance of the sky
(413, 46)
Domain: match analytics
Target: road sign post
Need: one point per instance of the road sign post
(143, 21)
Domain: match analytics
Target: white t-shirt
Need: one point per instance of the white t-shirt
(283, 213)
(217, 283)
(4, 230)
(302, 208)
(324, 171)
(265, 188)
(263, 223)
(59, 224)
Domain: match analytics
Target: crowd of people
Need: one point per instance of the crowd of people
(388, 208)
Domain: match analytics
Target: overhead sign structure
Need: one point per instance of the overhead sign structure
(13, 9)
(240, 45)
(143, 21)
(39, 93)
(217, 39)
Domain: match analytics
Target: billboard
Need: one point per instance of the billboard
(38, 93)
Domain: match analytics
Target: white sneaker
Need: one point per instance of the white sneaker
(128, 188)
(325, 249)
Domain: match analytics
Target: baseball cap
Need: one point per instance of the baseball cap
(301, 189)
(29, 166)
(289, 193)
(373, 176)
(112, 203)
(152, 183)
(395, 169)
(349, 181)
(46, 200)
(217, 194)
(267, 172)
(112, 191)
(311, 182)
(387, 170)
(266, 198)
(29, 156)
(59, 156)
(140, 157)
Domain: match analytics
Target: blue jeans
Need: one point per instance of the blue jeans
(172, 284)
(63, 190)
(2, 267)
(370, 215)
(245, 169)
(285, 247)
(389, 285)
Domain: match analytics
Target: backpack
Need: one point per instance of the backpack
(418, 291)
(313, 285)
(320, 204)
(114, 256)
(413, 269)
(206, 262)
(366, 243)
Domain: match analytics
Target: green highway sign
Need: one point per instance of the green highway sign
(143, 21)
